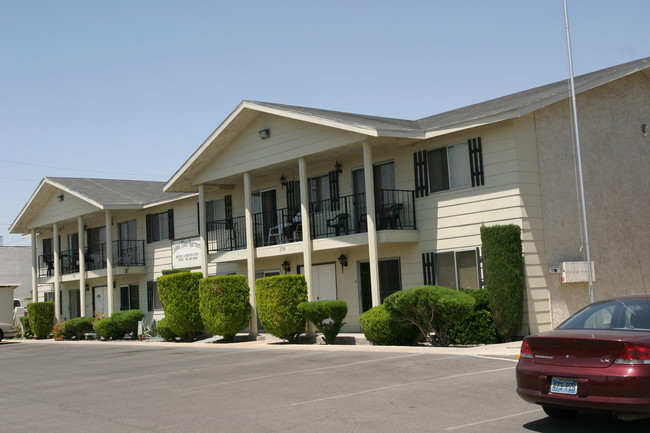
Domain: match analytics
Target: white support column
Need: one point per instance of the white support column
(34, 266)
(57, 273)
(306, 227)
(109, 262)
(373, 254)
(203, 227)
(82, 267)
(250, 250)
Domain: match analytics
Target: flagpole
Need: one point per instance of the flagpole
(581, 184)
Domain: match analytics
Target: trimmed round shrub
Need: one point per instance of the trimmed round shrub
(108, 329)
(127, 321)
(277, 305)
(432, 309)
(224, 304)
(165, 331)
(77, 327)
(179, 294)
(380, 327)
(327, 316)
(479, 327)
(41, 318)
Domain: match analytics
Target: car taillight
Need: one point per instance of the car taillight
(633, 354)
(525, 350)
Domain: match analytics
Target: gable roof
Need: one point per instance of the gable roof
(104, 194)
(495, 110)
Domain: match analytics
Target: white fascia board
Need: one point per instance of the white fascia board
(161, 202)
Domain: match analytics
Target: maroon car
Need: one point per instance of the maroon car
(597, 360)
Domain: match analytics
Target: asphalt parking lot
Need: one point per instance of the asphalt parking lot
(172, 388)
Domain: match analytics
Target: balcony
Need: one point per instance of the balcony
(125, 253)
(395, 210)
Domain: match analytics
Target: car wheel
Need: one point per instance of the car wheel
(558, 413)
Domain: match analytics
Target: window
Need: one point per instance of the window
(456, 166)
(153, 298)
(160, 226)
(319, 192)
(455, 269)
(264, 274)
(129, 297)
(448, 168)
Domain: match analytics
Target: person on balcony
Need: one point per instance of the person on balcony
(290, 229)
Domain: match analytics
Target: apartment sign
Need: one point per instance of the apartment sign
(186, 253)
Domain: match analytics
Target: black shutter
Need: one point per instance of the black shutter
(291, 202)
(429, 268)
(198, 219)
(334, 189)
(420, 173)
(476, 161)
(170, 220)
(149, 228)
(150, 288)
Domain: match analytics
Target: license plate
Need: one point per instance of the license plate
(564, 385)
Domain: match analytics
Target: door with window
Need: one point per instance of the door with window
(384, 179)
(128, 248)
(96, 255)
(390, 281)
(129, 297)
(265, 210)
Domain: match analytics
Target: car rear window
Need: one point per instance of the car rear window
(617, 314)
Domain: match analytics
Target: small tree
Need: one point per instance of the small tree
(381, 327)
(277, 305)
(432, 309)
(41, 318)
(327, 316)
(224, 304)
(179, 294)
(503, 266)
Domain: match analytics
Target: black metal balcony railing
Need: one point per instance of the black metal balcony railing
(227, 234)
(125, 253)
(395, 210)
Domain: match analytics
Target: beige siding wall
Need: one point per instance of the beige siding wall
(615, 159)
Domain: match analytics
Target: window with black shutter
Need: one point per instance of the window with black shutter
(160, 226)
(428, 268)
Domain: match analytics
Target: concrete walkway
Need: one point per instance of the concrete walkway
(344, 342)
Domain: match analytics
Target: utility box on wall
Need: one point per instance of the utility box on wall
(576, 272)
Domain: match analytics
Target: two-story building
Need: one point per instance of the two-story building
(364, 206)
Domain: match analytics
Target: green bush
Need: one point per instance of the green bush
(503, 265)
(163, 329)
(224, 304)
(77, 327)
(179, 294)
(108, 329)
(479, 327)
(380, 327)
(277, 305)
(26, 329)
(127, 321)
(327, 316)
(431, 308)
(41, 318)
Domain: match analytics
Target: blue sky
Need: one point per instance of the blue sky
(130, 88)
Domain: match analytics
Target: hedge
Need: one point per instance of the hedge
(432, 309)
(277, 305)
(127, 321)
(380, 327)
(503, 265)
(165, 331)
(224, 304)
(77, 328)
(41, 318)
(179, 294)
(108, 329)
(479, 327)
(327, 316)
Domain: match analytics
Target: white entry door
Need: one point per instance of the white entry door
(101, 299)
(324, 282)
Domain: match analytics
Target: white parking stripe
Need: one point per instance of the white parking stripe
(383, 388)
(458, 427)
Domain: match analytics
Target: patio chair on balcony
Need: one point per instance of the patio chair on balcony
(339, 222)
(394, 220)
(276, 234)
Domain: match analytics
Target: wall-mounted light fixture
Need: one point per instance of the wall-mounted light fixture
(644, 129)
(283, 181)
(343, 261)
(286, 267)
(337, 166)
(264, 133)
(60, 198)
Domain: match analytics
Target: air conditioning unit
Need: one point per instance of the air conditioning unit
(576, 272)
